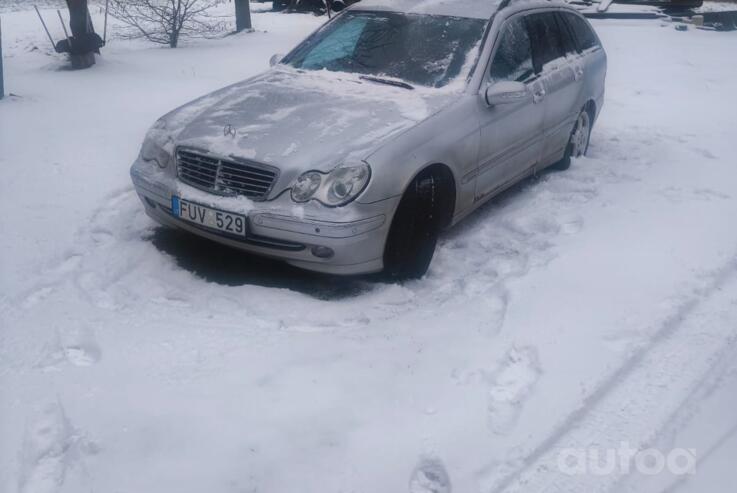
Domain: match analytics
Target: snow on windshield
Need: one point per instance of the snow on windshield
(420, 49)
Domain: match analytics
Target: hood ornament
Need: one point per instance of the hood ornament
(229, 130)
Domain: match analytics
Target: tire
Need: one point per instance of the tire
(578, 142)
(414, 231)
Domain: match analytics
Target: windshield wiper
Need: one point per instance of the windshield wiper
(389, 82)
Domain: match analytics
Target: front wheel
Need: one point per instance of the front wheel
(414, 231)
(578, 143)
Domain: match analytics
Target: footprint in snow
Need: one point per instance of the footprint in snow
(50, 446)
(36, 297)
(430, 476)
(705, 153)
(571, 225)
(82, 356)
(511, 386)
(45, 442)
(78, 347)
(709, 194)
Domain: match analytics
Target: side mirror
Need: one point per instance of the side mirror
(275, 59)
(506, 92)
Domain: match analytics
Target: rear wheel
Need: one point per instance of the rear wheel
(578, 143)
(414, 232)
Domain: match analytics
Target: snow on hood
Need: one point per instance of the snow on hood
(298, 120)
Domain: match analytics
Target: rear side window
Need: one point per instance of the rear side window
(585, 37)
(513, 58)
(548, 43)
(566, 35)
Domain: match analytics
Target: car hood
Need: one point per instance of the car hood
(299, 121)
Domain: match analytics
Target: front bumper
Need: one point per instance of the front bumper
(279, 228)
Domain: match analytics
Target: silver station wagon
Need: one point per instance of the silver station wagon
(394, 120)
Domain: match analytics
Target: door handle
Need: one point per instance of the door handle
(577, 72)
(538, 95)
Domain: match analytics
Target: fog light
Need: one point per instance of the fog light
(322, 252)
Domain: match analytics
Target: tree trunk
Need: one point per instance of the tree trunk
(242, 15)
(176, 25)
(78, 17)
(79, 21)
(174, 39)
(83, 61)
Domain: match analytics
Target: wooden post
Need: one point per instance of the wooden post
(2, 84)
(242, 15)
(104, 32)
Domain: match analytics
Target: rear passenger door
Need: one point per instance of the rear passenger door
(558, 62)
(592, 58)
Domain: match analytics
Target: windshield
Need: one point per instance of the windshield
(419, 49)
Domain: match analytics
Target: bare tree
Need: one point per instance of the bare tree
(166, 21)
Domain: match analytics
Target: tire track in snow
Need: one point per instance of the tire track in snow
(710, 387)
(602, 420)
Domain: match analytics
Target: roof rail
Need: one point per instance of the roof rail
(505, 3)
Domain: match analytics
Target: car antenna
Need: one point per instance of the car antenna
(45, 28)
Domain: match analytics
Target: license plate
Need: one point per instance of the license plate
(234, 224)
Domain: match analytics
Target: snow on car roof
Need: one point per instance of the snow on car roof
(480, 9)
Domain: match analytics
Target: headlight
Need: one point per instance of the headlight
(306, 186)
(334, 189)
(154, 147)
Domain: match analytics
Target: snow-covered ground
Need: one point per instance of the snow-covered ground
(583, 309)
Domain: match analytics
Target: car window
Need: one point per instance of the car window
(569, 42)
(585, 37)
(547, 41)
(420, 49)
(513, 58)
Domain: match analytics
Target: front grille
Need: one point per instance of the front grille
(225, 177)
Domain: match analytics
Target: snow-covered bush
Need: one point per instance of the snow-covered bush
(166, 21)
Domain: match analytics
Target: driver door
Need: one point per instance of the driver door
(511, 134)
